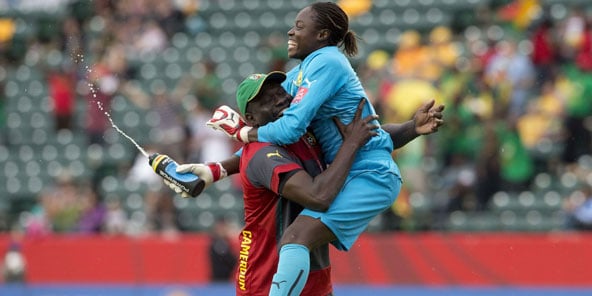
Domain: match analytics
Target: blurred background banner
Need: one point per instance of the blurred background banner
(436, 259)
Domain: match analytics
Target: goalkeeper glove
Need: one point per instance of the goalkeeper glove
(231, 123)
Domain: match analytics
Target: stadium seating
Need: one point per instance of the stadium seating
(236, 30)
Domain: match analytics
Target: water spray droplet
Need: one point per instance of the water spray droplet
(93, 91)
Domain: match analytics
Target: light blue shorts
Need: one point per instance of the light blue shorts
(366, 194)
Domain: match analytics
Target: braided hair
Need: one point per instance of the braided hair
(331, 17)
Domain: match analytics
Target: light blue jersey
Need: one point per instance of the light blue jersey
(325, 85)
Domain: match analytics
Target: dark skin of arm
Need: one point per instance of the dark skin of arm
(231, 164)
(426, 120)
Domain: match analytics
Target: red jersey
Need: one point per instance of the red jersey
(264, 168)
(61, 92)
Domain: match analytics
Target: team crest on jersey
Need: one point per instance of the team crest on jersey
(298, 80)
(303, 85)
(310, 139)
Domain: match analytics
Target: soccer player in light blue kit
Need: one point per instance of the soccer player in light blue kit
(324, 86)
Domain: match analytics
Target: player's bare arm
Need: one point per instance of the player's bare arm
(426, 120)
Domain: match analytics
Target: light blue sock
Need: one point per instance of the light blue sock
(292, 272)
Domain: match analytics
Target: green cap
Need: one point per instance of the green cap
(250, 87)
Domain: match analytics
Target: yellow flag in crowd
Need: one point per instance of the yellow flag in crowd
(7, 29)
(355, 7)
(527, 11)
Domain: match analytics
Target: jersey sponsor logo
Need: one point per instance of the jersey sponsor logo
(276, 153)
(243, 257)
(299, 95)
(303, 87)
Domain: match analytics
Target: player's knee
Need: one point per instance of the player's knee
(294, 236)
(307, 231)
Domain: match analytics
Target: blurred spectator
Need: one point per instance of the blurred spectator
(461, 181)
(7, 30)
(542, 118)
(487, 168)
(205, 144)
(510, 66)
(571, 31)
(171, 19)
(584, 51)
(517, 167)
(279, 53)
(102, 8)
(150, 39)
(194, 22)
(405, 96)
(3, 133)
(170, 133)
(171, 128)
(482, 53)
(410, 160)
(410, 58)
(543, 51)
(37, 222)
(57, 209)
(71, 39)
(209, 87)
(161, 214)
(378, 79)
(222, 256)
(115, 218)
(355, 8)
(480, 100)
(578, 210)
(64, 206)
(141, 172)
(520, 12)
(123, 27)
(577, 137)
(397, 217)
(104, 79)
(92, 212)
(14, 263)
(61, 83)
(463, 133)
(442, 54)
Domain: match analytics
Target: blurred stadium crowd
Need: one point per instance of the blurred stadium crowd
(515, 76)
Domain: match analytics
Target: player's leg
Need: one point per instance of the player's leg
(365, 195)
(303, 235)
(307, 231)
